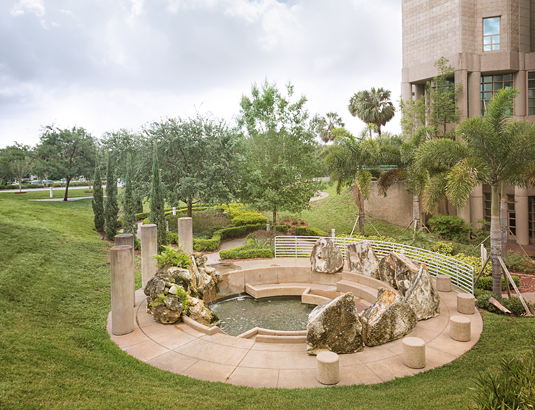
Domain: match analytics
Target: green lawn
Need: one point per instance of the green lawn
(55, 351)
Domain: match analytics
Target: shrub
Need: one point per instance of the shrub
(444, 248)
(485, 283)
(512, 387)
(172, 237)
(221, 234)
(418, 239)
(449, 227)
(282, 229)
(308, 231)
(249, 218)
(172, 257)
(475, 262)
(137, 244)
(142, 215)
(519, 263)
(515, 305)
(146, 221)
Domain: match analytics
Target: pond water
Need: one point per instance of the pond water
(242, 312)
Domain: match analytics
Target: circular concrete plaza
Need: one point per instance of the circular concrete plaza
(186, 350)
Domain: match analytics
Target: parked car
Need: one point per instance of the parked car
(47, 182)
(63, 180)
(34, 182)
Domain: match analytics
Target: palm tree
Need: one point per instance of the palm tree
(328, 124)
(491, 149)
(372, 107)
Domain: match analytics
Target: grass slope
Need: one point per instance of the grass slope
(56, 353)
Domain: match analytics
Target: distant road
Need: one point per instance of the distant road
(48, 189)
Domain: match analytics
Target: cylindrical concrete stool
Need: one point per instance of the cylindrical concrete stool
(466, 303)
(460, 328)
(122, 297)
(413, 353)
(443, 283)
(328, 370)
(128, 239)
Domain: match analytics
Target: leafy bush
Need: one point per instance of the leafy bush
(249, 218)
(172, 238)
(519, 263)
(444, 248)
(485, 283)
(449, 227)
(475, 262)
(221, 234)
(308, 231)
(172, 257)
(137, 244)
(513, 303)
(512, 387)
(182, 295)
(146, 221)
(418, 239)
(282, 229)
(236, 253)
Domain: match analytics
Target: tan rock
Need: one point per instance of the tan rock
(326, 257)
(405, 273)
(386, 271)
(423, 296)
(361, 259)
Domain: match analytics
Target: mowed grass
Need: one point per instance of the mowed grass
(55, 351)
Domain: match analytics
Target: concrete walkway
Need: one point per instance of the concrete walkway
(233, 243)
(219, 357)
(61, 199)
(319, 195)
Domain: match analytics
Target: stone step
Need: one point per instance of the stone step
(360, 291)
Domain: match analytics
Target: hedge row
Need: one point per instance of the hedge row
(237, 253)
(307, 231)
(221, 234)
(486, 283)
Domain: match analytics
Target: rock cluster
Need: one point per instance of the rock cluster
(335, 326)
(326, 257)
(173, 288)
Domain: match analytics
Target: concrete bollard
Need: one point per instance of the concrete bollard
(128, 239)
(460, 328)
(443, 283)
(328, 369)
(174, 211)
(333, 233)
(122, 297)
(185, 234)
(51, 193)
(149, 248)
(413, 353)
(466, 303)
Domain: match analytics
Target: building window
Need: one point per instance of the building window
(492, 83)
(511, 213)
(487, 206)
(491, 34)
(531, 93)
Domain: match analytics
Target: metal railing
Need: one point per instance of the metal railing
(462, 274)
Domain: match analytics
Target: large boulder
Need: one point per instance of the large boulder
(423, 296)
(326, 257)
(198, 311)
(390, 318)
(386, 271)
(334, 326)
(405, 273)
(362, 259)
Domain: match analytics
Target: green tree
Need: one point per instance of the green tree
(277, 161)
(197, 159)
(98, 200)
(111, 208)
(70, 153)
(494, 149)
(328, 124)
(18, 159)
(129, 207)
(5, 171)
(372, 107)
(157, 203)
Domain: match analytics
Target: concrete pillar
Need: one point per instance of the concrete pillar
(406, 91)
(122, 297)
(128, 240)
(474, 94)
(465, 212)
(185, 234)
(149, 248)
(419, 90)
(461, 77)
(519, 80)
(477, 210)
(522, 217)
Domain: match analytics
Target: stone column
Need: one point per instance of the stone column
(122, 297)
(128, 240)
(406, 91)
(149, 248)
(474, 94)
(419, 90)
(477, 210)
(461, 77)
(521, 214)
(465, 212)
(185, 234)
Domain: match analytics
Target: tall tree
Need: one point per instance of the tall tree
(98, 200)
(277, 161)
(157, 204)
(129, 207)
(69, 152)
(328, 124)
(372, 107)
(494, 149)
(110, 205)
(18, 158)
(5, 171)
(197, 159)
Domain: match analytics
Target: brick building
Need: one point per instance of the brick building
(491, 45)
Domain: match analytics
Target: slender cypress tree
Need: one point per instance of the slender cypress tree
(111, 208)
(157, 213)
(129, 225)
(98, 200)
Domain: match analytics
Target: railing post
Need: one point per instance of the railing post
(295, 245)
(332, 233)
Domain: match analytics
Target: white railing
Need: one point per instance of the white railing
(462, 274)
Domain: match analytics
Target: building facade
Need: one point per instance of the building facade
(491, 45)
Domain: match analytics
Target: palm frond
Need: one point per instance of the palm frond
(435, 191)
(390, 177)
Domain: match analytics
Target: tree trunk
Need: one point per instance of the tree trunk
(67, 188)
(360, 205)
(416, 212)
(495, 243)
(504, 223)
(190, 207)
(20, 184)
(274, 219)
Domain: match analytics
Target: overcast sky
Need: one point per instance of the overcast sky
(105, 65)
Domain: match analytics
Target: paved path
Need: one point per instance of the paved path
(233, 243)
(60, 199)
(219, 357)
(319, 195)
